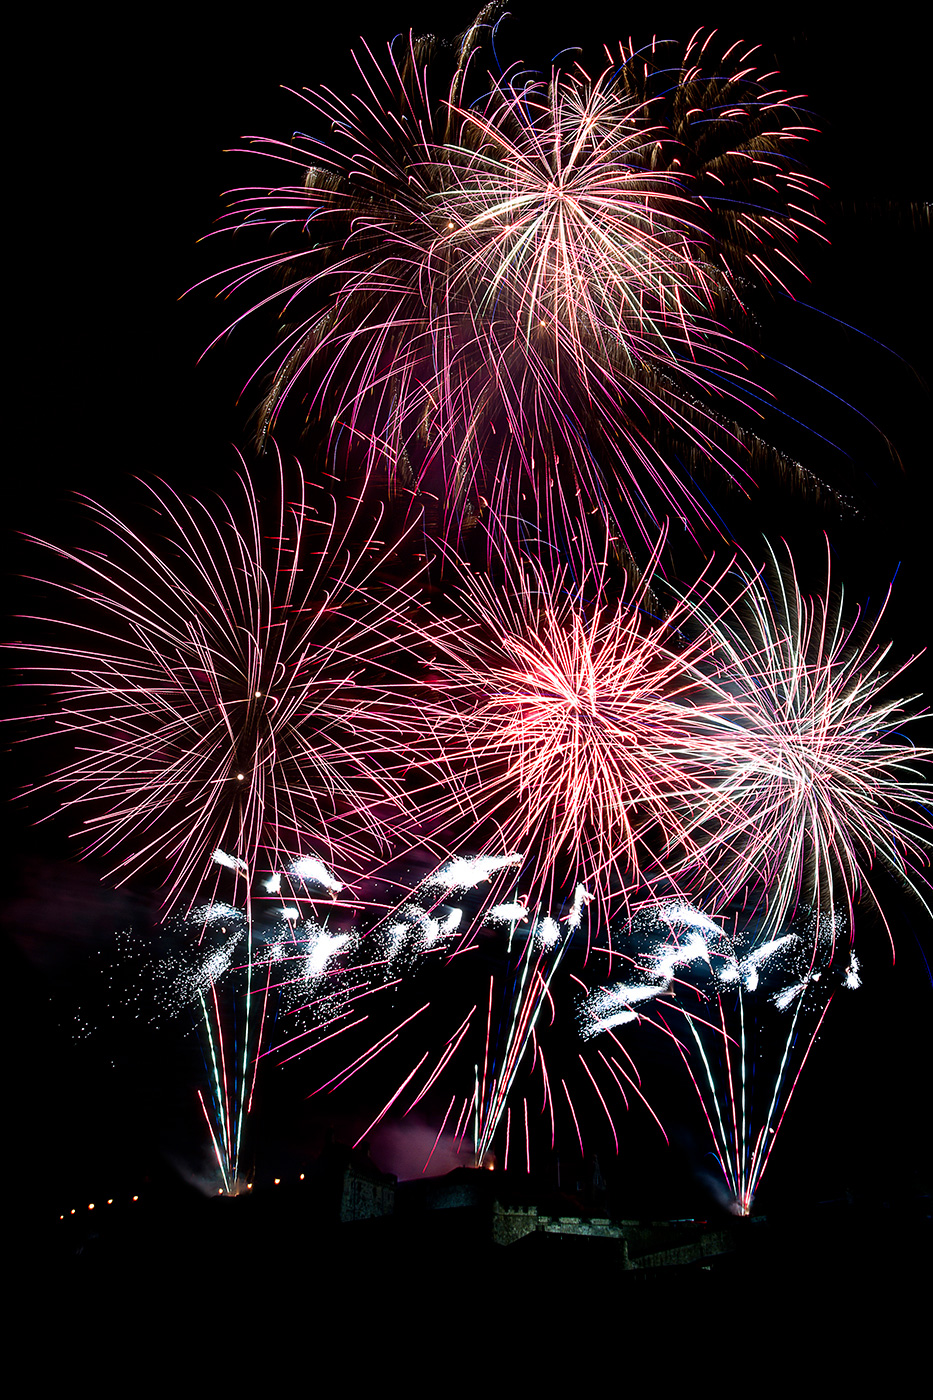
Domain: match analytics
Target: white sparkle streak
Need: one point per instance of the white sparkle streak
(581, 898)
(316, 872)
(464, 872)
(612, 1006)
(694, 950)
(749, 965)
(782, 1000)
(215, 911)
(512, 912)
(683, 913)
(321, 947)
(231, 862)
(547, 932)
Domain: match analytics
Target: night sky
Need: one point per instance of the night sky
(127, 163)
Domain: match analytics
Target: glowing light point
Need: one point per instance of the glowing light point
(581, 898)
(547, 932)
(512, 911)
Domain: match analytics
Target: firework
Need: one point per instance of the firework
(406, 1001)
(819, 784)
(234, 971)
(733, 135)
(220, 694)
(523, 291)
(229, 714)
(751, 1008)
(562, 715)
(495, 289)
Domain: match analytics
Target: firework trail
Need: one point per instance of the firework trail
(560, 719)
(196, 969)
(406, 999)
(235, 973)
(750, 1009)
(819, 783)
(544, 947)
(277, 934)
(499, 289)
(230, 715)
(523, 290)
(577, 726)
(223, 694)
(733, 135)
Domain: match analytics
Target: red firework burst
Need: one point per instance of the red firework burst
(564, 718)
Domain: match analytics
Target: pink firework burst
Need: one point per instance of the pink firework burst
(220, 682)
(819, 781)
(490, 297)
(564, 717)
(555, 209)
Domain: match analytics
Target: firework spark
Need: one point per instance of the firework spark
(361, 1005)
(220, 695)
(734, 136)
(752, 1010)
(524, 290)
(819, 783)
(563, 714)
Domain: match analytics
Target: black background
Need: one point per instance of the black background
(124, 136)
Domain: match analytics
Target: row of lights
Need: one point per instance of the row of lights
(276, 1181)
(92, 1205)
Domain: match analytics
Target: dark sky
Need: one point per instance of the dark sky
(130, 157)
(126, 166)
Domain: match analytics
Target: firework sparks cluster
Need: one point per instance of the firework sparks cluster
(451, 724)
(531, 289)
(216, 688)
(734, 996)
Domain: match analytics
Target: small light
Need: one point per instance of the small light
(240, 777)
(277, 1181)
(90, 1205)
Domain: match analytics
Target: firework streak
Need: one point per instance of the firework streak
(560, 718)
(817, 781)
(751, 1011)
(221, 694)
(509, 317)
(523, 276)
(585, 732)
